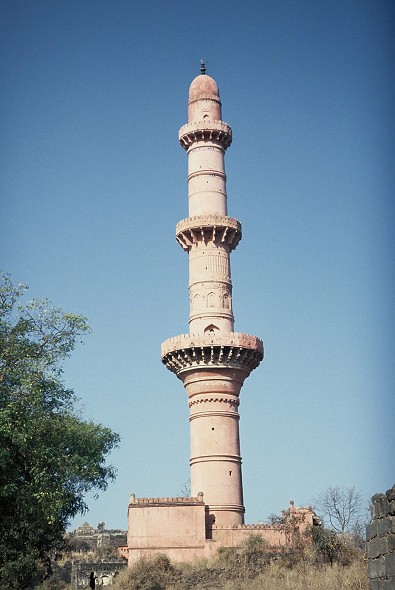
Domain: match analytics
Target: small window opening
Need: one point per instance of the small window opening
(212, 429)
(230, 473)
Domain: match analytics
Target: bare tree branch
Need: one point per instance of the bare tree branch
(340, 507)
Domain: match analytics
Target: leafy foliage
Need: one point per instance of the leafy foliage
(49, 456)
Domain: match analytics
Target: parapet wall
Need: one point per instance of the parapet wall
(380, 537)
(235, 339)
(276, 536)
(165, 501)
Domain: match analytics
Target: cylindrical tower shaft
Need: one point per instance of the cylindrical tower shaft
(205, 138)
(215, 446)
(212, 360)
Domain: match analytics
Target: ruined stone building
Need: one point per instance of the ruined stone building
(98, 537)
(104, 569)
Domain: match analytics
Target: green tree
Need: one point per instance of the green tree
(49, 456)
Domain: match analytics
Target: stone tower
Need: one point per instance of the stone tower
(212, 360)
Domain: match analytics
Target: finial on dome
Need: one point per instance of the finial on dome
(202, 67)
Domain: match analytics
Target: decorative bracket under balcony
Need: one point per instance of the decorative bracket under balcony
(217, 131)
(208, 228)
(232, 349)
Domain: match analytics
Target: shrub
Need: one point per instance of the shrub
(151, 573)
(333, 547)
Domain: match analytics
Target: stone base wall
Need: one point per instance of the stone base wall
(175, 526)
(380, 537)
(178, 527)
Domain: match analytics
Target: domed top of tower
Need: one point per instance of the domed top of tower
(203, 86)
(204, 100)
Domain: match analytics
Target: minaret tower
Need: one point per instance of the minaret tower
(212, 360)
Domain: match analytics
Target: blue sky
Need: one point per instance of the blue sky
(93, 182)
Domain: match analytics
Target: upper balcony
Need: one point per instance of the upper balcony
(220, 228)
(220, 350)
(216, 131)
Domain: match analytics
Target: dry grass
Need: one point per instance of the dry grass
(337, 577)
(159, 574)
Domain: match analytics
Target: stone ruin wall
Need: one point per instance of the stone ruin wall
(380, 537)
(105, 573)
(276, 536)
